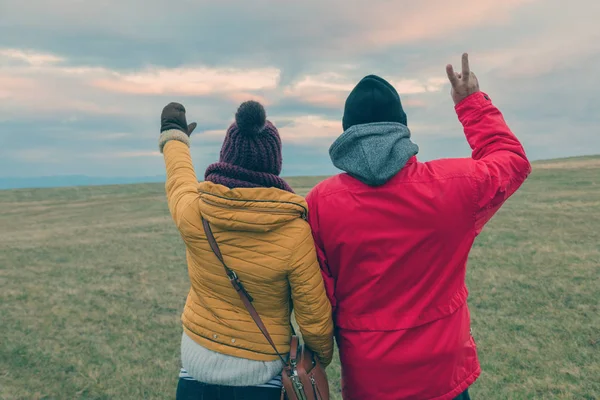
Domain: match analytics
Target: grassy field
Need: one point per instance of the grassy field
(93, 280)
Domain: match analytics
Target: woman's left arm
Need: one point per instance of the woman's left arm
(182, 184)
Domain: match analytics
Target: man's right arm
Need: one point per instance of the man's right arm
(499, 164)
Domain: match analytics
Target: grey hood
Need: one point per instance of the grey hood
(373, 153)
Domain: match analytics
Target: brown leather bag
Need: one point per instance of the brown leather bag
(303, 377)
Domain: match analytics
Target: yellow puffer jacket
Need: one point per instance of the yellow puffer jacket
(265, 239)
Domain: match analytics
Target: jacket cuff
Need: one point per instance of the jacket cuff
(172, 134)
(472, 103)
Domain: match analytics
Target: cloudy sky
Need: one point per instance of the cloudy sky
(82, 83)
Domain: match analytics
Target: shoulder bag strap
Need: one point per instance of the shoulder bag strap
(238, 286)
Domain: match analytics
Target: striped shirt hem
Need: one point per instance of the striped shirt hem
(273, 383)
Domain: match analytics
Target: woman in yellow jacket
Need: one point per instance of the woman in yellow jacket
(261, 228)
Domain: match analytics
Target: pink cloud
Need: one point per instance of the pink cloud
(46, 84)
(11, 85)
(417, 86)
(324, 90)
(303, 129)
(240, 97)
(376, 23)
(26, 93)
(414, 103)
(310, 129)
(318, 131)
(383, 23)
(197, 81)
(30, 57)
(331, 90)
(35, 95)
(553, 51)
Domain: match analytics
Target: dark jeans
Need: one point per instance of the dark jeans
(463, 396)
(194, 390)
(188, 389)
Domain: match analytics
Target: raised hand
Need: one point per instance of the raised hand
(173, 117)
(464, 83)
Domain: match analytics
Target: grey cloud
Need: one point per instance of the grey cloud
(121, 34)
(291, 35)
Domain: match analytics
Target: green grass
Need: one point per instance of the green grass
(93, 280)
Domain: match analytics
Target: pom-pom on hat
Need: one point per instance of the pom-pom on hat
(251, 117)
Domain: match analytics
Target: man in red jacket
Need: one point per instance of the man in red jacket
(393, 236)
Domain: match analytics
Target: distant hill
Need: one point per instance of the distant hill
(73, 180)
(83, 180)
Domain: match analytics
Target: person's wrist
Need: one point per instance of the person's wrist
(173, 126)
(476, 93)
(174, 134)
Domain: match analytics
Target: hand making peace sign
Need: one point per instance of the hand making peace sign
(464, 83)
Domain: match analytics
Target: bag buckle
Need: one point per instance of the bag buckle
(298, 386)
(237, 284)
(232, 276)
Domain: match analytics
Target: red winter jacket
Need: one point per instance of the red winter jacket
(394, 262)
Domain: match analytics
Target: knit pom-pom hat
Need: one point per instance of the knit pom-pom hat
(252, 142)
(251, 152)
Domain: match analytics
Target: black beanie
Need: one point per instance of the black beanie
(373, 100)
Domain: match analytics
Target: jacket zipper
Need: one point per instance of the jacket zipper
(303, 215)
